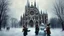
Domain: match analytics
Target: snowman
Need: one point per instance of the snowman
(42, 30)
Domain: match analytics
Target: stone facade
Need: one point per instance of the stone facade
(32, 16)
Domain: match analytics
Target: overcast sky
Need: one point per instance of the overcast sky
(17, 7)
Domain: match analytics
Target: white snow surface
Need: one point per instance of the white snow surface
(18, 32)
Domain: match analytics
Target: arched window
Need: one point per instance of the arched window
(36, 17)
(36, 22)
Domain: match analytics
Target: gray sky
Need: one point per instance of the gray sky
(17, 7)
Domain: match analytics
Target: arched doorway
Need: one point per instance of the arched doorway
(31, 23)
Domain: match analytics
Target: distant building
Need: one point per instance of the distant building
(32, 15)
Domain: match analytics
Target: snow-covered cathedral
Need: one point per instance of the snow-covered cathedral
(33, 16)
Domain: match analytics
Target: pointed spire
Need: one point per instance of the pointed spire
(28, 3)
(21, 17)
(41, 11)
(31, 4)
(35, 3)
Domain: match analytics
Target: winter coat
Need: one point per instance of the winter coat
(37, 30)
(25, 30)
(48, 30)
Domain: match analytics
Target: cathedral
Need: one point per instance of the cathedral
(33, 16)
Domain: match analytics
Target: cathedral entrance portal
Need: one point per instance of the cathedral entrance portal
(31, 23)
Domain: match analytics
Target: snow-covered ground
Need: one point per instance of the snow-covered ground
(18, 32)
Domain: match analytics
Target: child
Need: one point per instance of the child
(36, 29)
(25, 30)
(48, 30)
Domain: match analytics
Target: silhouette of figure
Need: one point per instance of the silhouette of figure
(8, 28)
(48, 30)
(25, 30)
(36, 29)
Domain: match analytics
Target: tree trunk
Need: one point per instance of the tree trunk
(0, 27)
(62, 26)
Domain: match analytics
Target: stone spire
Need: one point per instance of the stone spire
(28, 4)
(35, 3)
(41, 11)
(31, 4)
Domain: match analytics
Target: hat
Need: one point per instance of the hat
(48, 24)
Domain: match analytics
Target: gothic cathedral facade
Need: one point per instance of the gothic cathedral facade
(32, 16)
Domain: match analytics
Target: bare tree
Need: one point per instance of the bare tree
(3, 12)
(59, 10)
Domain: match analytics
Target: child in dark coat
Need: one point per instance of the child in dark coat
(48, 30)
(36, 29)
(25, 30)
